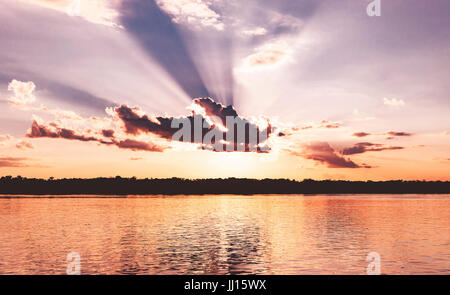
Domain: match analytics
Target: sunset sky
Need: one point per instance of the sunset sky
(86, 92)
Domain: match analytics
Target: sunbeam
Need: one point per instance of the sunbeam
(99, 60)
(316, 71)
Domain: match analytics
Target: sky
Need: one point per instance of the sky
(92, 88)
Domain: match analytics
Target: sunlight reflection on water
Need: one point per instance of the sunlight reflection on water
(226, 234)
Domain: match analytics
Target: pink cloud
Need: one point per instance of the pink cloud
(323, 153)
(24, 145)
(361, 134)
(363, 147)
(52, 130)
(393, 133)
(13, 162)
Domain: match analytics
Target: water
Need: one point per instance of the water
(226, 234)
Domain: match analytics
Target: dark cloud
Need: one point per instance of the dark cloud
(37, 131)
(135, 145)
(216, 109)
(13, 162)
(322, 152)
(209, 129)
(53, 131)
(330, 125)
(135, 123)
(363, 147)
(361, 134)
(393, 133)
(108, 133)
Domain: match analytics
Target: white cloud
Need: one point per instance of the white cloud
(269, 54)
(193, 12)
(259, 31)
(393, 102)
(23, 92)
(102, 12)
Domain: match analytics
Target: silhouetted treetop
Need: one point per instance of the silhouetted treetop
(240, 186)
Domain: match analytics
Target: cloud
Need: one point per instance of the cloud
(211, 108)
(322, 124)
(136, 158)
(258, 31)
(24, 145)
(23, 92)
(393, 102)
(6, 140)
(269, 54)
(193, 12)
(24, 97)
(361, 134)
(209, 115)
(104, 12)
(266, 57)
(108, 133)
(126, 127)
(322, 152)
(5, 137)
(363, 147)
(391, 134)
(52, 130)
(13, 162)
(399, 134)
(135, 122)
(330, 125)
(135, 145)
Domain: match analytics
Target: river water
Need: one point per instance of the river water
(225, 234)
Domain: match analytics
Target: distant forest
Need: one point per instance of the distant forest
(177, 186)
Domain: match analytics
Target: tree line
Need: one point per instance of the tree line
(242, 186)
